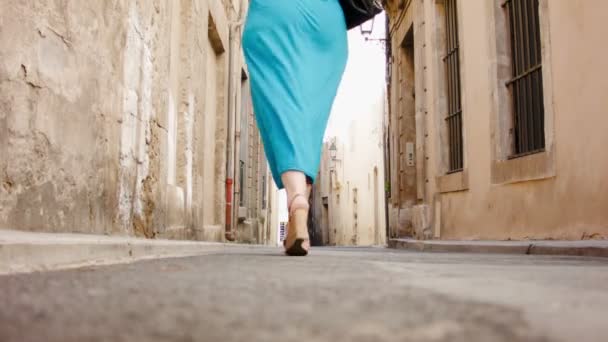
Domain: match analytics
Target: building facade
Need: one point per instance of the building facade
(253, 182)
(497, 123)
(347, 203)
(121, 117)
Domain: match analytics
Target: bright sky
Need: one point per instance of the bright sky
(363, 82)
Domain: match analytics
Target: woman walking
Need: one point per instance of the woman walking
(296, 53)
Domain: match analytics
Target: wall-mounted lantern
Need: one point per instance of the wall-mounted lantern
(367, 28)
(333, 150)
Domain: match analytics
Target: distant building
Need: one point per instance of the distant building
(348, 197)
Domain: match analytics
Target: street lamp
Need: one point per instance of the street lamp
(367, 27)
(333, 150)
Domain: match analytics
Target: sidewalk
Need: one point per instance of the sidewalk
(589, 248)
(28, 252)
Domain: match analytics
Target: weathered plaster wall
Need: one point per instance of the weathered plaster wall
(572, 203)
(103, 112)
(558, 194)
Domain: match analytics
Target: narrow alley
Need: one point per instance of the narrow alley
(444, 162)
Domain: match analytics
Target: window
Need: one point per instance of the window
(526, 86)
(241, 183)
(282, 231)
(452, 64)
(264, 204)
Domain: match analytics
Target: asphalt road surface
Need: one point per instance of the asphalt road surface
(335, 294)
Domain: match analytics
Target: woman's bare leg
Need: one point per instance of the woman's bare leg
(295, 184)
(298, 193)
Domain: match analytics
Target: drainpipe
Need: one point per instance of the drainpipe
(233, 34)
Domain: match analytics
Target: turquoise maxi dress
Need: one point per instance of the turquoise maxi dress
(296, 52)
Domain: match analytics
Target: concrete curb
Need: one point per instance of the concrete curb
(588, 248)
(588, 251)
(22, 252)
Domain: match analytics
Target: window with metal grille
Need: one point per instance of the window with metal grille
(527, 83)
(282, 231)
(452, 63)
(241, 183)
(264, 192)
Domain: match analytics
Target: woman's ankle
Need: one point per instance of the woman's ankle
(298, 201)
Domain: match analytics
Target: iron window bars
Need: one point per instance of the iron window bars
(527, 83)
(452, 62)
(241, 183)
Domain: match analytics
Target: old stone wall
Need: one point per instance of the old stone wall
(113, 116)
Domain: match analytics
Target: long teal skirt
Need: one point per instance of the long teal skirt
(296, 52)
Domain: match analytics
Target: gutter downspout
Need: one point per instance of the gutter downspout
(230, 148)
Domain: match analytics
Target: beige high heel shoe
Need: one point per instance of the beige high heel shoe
(297, 241)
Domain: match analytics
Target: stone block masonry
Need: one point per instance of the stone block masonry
(113, 116)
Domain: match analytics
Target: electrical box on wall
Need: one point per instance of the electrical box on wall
(410, 156)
